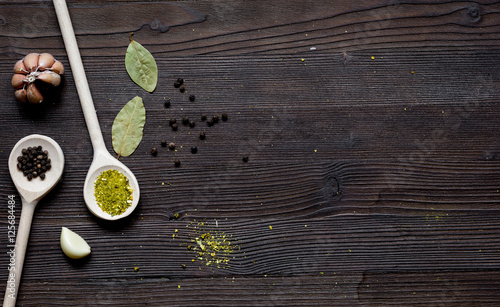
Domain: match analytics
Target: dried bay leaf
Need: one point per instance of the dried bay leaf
(141, 66)
(128, 126)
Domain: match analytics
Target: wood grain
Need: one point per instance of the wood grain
(373, 175)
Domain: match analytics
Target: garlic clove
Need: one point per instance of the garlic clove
(19, 68)
(45, 61)
(21, 95)
(33, 94)
(73, 245)
(50, 77)
(31, 62)
(57, 67)
(18, 81)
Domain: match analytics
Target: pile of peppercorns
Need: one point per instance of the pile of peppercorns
(34, 162)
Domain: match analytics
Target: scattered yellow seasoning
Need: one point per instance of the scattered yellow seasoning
(302, 59)
(270, 227)
(136, 269)
(373, 58)
(179, 286)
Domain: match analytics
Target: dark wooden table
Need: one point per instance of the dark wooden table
(371, 127)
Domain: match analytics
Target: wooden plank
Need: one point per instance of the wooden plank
(283, 27)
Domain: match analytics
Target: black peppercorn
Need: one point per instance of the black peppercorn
(185, 121)
(224, 117)
(182, 89)
(177, 84)
(203, 117)
(171, 146)
(177, 163)
(245, 159)
(42, 176)
(163, 143)
(180, 81)
(172, 121)
(154, 151)
(192, 124)
(167, 103)
(29, 176)
(202, 135)
(210, 122)
(191, 97)
(174, 127)
(215, 118)
(194, 149)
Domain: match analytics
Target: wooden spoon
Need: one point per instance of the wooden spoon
(103, 160)
(30, 192)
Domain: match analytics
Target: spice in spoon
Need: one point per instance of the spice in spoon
(33, 162)
(112, 192)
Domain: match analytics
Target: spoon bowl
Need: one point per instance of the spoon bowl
(30, 192)
(103, 161)
(36, 188)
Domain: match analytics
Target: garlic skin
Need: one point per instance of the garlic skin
(73, 246)
(33, 67)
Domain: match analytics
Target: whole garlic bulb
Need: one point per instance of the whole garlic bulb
(34, 67)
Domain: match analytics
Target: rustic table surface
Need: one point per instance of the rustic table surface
(372, 135)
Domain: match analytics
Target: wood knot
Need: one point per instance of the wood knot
(474, 13)
(157, 25)
(331, 188)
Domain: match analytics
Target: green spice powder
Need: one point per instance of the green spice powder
(112, 192)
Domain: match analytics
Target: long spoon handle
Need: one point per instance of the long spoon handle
(82, 85)
(18, 252)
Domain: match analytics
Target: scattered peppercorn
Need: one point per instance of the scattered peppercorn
(174, 127)
(177, 163)
(180, 81)
(203, 117)
(245, 159)
(177, 84)
(202, 135)
(224, 117)
(163, 143)
(185, 121)
(34, 162)
(171, 146)
(215, 118)
(192, 124)
(154, 151)
(167, 103)
(182, 89)
(194, 149)
(210, 122)
(191, 98)
(172, 121)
